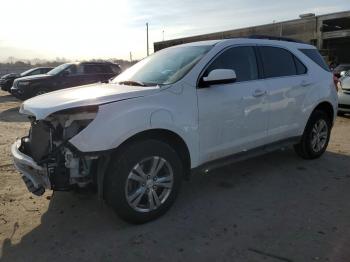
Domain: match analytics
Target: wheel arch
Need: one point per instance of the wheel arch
(167, 136)
(326, 107)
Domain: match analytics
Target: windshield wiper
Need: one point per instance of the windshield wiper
(132, 83)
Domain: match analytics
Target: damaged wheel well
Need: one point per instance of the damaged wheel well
(166, 136)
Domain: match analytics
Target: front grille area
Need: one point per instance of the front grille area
(39, 140)
(344, 106)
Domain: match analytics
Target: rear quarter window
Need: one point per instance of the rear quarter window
(315, 56)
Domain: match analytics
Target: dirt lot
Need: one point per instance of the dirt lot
(276, 207)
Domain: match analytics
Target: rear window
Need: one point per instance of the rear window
(315, 56)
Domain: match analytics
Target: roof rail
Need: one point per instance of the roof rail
(278, 38)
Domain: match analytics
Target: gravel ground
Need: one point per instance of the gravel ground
(276, 207)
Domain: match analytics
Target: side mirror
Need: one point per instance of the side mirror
(220, 76)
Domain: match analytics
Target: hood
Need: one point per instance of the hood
(34, 77)
(44, 105)
(12, 75)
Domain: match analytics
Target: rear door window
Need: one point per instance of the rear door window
(277, 62)
(106, 69)
(93, 69)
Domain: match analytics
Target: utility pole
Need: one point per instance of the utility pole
(147, 39)
(281, 29)
(163, 35)
(130, 57)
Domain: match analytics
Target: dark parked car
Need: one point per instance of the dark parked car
(6, 81)
(64, 76)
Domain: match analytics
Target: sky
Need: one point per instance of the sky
(87, 29)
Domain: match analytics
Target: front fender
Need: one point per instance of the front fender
(117, 122)
(113, 124)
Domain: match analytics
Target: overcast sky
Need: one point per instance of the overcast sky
(85, 29)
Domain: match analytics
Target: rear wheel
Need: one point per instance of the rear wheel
(143, 180)
(316, 136)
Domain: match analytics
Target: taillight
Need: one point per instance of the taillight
(336, 81)
(339, 86)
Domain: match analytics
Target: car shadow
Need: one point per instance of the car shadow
(345, 116)
(8, 98)
(268, 206)
(12, 115)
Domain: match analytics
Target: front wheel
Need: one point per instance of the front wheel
(143, 180)
(316, 136)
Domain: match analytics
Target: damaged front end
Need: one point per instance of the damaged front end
(45, 157)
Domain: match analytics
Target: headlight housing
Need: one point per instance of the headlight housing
(70, 122)
(23, 83)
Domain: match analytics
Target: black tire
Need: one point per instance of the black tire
(304, 148)
(116, 179)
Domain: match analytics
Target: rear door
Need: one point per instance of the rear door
(94, 73)
(287, 84)
(107, 72)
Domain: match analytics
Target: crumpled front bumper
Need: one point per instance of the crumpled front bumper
(35, 176)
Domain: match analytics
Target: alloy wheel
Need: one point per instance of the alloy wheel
(149, 184)
(319, 135)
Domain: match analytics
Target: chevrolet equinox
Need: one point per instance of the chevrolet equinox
(184, 109)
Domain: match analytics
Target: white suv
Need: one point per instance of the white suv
(186, 108)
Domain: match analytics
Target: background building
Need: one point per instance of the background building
(330, 33)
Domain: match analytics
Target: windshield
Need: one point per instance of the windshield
(163, 67)
(25, 73)
(58, 69)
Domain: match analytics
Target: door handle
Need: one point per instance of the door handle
(259, 92)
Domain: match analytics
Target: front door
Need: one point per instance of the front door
(233, 117)
(72, 76)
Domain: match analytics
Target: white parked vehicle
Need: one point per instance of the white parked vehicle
(186, 108)
(344, 94)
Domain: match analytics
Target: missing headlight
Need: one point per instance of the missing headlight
(72, 121)
(75, 127)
